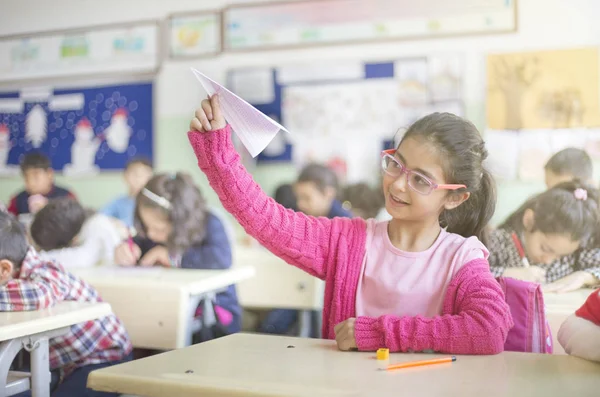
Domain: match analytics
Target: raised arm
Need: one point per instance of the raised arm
(303, 241)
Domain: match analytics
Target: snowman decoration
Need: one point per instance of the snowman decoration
(119, 132)
(5, 145)
(83, 150)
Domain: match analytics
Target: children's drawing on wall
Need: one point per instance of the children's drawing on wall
(413, 84)
(446, 77)
(543, 90)
(83, 131)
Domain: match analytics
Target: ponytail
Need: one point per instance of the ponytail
(472, 216)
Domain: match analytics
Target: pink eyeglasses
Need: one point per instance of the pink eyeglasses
(415, 180)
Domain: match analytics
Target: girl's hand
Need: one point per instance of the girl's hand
(533, 274)
(126, 255)
(571, 282)
(156, 256)
(208, 117)
(344, 335)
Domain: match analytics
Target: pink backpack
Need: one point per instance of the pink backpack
(531, 332)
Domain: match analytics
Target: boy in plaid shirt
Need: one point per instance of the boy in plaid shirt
(30, 283)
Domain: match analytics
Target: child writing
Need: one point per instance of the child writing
(546, 232)
(64, 231)
(137, 173)
(175, 229)
(579, 335)
(39, 186)
(567, 165)
(28, 282)
(419, 282)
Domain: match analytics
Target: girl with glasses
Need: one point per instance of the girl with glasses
(420, 282)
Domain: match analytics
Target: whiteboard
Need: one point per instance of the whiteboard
(303, 23)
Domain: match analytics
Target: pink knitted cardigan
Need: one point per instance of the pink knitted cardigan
(475, 320)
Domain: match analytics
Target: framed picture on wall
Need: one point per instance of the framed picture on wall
(192, 35)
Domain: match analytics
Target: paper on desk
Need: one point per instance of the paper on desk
(254, 129)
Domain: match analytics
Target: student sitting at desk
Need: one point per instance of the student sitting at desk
(137, 173)
(175, 229)
(39, 186)
(74, 237)
(551, 231)
(420, 282)
(579, 335)
(28, 282)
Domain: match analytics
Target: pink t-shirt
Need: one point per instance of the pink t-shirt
(400, 283)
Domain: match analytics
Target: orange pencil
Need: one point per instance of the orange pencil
(422, 363)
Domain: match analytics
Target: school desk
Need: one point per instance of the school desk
(157, 304)
(279, 285)
(561, 306)
(31, 331)
(259, 365)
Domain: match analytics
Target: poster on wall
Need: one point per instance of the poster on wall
(544, 89)
(194, 35)
(83, 131)
(304, 23)
(343, 119)
(102, 50)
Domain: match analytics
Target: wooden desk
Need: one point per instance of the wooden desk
(157, 305)
(259, 365)
(31, 331)
(276, 284)
(561, 306)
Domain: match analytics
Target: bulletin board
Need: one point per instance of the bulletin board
(319, 22)
(342, 114)
(84, 131)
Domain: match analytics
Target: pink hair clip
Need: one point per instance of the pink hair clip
(580, 194)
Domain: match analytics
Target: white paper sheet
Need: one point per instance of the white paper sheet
(254, 129)
(503, 149)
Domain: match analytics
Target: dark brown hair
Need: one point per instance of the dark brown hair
(284, 195)
(138, 161)
(56, 225)
(463, 151)
(571, 161)
(35, 160)
(363, 197)
(322, 176)
(187, 212)
(558, 211)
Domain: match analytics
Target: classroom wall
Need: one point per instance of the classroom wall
(543, 24)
